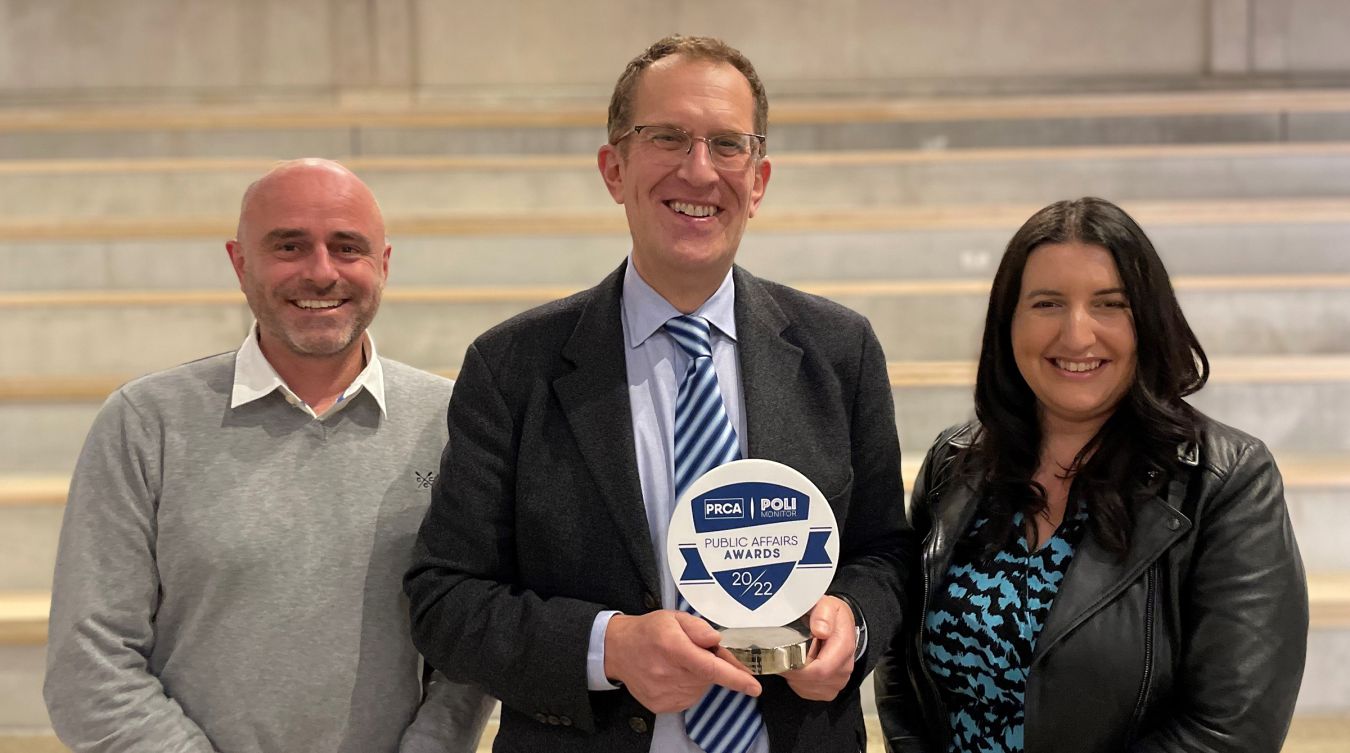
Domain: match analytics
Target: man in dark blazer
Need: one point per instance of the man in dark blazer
(539, 571)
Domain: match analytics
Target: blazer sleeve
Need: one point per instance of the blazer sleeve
(876, 542)
(1245, 621)
(100, 692)
(469, 618)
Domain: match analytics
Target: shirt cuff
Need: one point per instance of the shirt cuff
(595, 654)
(859, 628)
(861, 650)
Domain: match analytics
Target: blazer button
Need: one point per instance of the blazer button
(650, 601)
(1173, 524)
(638, 724)
(541, 718)
(555, 721)
(566, 722)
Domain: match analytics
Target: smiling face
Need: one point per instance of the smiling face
(685, 214)
(1073, 335)
(311, 259)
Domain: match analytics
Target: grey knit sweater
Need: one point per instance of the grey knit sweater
(230, 579)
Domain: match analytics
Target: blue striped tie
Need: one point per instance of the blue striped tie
(723, 721)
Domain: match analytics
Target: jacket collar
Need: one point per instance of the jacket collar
(594, 399)
(770, 365)
(1095, 576)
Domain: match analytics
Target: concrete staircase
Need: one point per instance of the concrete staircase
(900, 209)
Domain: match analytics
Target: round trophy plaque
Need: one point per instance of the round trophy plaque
(753, 546)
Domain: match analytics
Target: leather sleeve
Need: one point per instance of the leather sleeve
(1245, 618)
(897, 701)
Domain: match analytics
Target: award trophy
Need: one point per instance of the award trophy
(753, 546)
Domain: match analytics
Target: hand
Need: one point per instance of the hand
(832, 626)
(669, 659)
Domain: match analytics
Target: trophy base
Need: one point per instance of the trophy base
(769, 650)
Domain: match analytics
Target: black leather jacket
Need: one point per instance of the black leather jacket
(1194, 642)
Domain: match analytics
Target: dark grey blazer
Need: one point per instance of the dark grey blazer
(537, 522)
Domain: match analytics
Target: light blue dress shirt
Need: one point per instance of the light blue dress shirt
(655, 366)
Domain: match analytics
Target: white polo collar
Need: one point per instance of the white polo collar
(254, 378)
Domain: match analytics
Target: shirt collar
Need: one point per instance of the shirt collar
(646, 311)
(254, 377)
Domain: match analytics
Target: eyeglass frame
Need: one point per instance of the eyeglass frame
(759, 138)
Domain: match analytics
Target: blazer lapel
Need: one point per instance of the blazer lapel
(770, 367)
(1096, 576)
(594, 399)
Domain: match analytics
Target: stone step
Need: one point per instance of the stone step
(1303, 417)
(1293, 402)
(91, 332)
(1304, 472)
(575, 261)
(837, 123)
(1317, 492)
(1324, 693)
(801, 180)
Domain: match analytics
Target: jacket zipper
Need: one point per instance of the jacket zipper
(933, 693)
(1150, 580)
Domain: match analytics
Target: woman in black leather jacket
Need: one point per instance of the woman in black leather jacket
(1104, 568)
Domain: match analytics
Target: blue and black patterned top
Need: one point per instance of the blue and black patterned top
(981, 630)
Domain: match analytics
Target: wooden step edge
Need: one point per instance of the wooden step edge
(33, 491)
(526, 294)
(23, 615)
(1308, 733)
(23, 618)
(839, 158)
(1305, 369)
(591, 114)
(1329, 600)
(1299, 369)
(1299, 471)
(611, 222)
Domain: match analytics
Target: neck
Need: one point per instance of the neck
(684, 290)
(318, 380)
(1061, 444)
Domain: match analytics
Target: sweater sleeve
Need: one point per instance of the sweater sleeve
(450, 719)
(100, 692)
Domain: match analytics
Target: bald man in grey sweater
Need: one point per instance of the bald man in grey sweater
(228, 577)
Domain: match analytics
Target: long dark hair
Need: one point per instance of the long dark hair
(1136, 449)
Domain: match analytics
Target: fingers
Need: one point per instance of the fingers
(699, 631)
(668, 659)
(723, 669)
(826, 614)
(831, 622)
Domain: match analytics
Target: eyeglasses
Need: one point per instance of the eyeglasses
(728, 151)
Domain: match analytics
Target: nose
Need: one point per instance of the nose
(1077, 332)
(697, 167)
(320, 269)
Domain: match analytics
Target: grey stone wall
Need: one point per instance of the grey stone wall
(413, 50)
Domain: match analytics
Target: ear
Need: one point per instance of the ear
(236, 252)
(611, 169)
(762, 172)
(384, 261)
